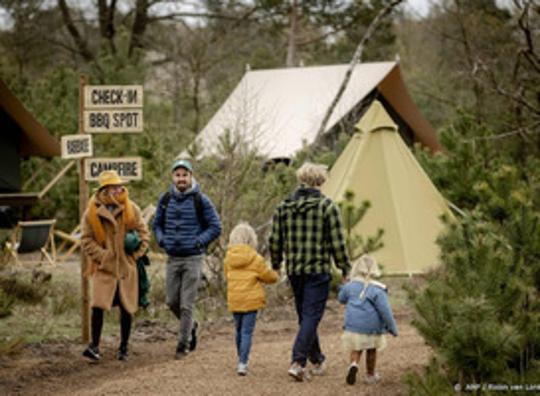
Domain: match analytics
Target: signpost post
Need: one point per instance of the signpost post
(83, 202)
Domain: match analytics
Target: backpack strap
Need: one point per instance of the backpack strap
(199, 209)
(163, 204)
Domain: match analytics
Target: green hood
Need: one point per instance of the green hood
(303, 199)
(301, 205)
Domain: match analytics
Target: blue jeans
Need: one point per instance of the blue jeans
(245, 324)
(310, 295)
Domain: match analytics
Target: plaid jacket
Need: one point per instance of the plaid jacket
(306, 231)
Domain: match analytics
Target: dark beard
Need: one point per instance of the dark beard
(182, 188)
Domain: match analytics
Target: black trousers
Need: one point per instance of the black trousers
(125, 323)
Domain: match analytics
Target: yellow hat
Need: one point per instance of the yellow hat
(109, 178)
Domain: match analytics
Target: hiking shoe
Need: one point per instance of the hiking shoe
(193, 342)
(181, 351)
(372, 379)
(122, 353)
(351, 374)
(297, 372)
(92, 353)
(242, 369)
(319, 368)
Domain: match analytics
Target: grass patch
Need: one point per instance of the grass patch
(35, 313)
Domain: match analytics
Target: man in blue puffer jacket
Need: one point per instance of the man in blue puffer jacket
(186, 222)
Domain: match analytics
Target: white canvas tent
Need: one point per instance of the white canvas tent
(377, 166)
(278, 111)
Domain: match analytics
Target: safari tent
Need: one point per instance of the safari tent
(377, 166)
(278, 111)
(21, 136)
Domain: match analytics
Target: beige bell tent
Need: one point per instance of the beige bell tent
(377, 166)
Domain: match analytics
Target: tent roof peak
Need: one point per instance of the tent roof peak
(375, 119)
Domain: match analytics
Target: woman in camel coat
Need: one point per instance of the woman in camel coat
(109, 216)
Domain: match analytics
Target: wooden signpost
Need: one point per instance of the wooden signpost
(76, 146)
(113, 96)
(102, 109)
(128, 168)
(117, 121)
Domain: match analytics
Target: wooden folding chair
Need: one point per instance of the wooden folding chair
(148, 212)
(73, 239)
(32, 237)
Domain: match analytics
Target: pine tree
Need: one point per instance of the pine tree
(352, 215)
(480, 311)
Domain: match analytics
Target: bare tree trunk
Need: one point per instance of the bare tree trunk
(106, 22)
(82, 46)
(177, 108)
(195, 98)
(354, 61)
(139, 26)
(471, 62)
(293, 31)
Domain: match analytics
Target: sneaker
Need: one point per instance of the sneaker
(297, 372)
(242, 369)
(319, 368)
(122, 353)
(181, 351)
(372, 379)
(351, 374)
(193, 342)
(92, 353)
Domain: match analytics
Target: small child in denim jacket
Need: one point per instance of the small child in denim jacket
(368, 316)
(245, 272)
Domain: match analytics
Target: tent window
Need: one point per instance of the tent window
(10, 175)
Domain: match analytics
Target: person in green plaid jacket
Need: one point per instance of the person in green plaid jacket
(306, 232)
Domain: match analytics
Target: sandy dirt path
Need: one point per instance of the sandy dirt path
(210, 370)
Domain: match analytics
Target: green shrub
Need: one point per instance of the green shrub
(6, 304)
(23, 290)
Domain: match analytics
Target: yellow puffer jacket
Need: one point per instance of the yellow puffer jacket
(245, 271)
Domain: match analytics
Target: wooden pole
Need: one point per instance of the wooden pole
(83, 202)
(56, 178)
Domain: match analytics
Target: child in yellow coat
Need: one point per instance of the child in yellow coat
(245, 272)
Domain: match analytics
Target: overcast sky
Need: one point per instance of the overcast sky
(420, 7)
(417, 8)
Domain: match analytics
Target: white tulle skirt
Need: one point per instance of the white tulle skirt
(358, 342)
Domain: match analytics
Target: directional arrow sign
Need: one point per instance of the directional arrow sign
(113, 96)
(76, 146)
(128, 168)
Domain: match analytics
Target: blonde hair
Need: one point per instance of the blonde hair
(244, 234)
(366, 267)
(314, 175)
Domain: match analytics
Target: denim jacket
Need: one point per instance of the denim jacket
(369, 313)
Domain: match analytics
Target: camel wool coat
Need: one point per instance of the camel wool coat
(113, 267)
